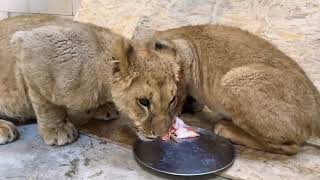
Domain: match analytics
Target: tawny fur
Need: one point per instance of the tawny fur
(57, 71)
(139, 75)
(272, 103)
(52, 69)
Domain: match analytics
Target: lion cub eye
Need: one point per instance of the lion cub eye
(144, 102)
(173, 100)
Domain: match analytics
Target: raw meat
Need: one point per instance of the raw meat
(180, 130)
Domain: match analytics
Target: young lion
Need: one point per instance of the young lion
(273, 105)
(55, 70)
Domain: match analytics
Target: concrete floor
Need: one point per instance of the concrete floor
(87, 158)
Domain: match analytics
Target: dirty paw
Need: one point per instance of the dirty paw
(66, 134)
(221, 130)
(106, 112)
(106, 116)
(8, 132)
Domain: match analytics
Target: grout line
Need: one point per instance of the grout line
(213, 18)
(28, 6)
(30, 13)
(72, 8)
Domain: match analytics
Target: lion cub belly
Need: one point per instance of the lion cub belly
(13, 98)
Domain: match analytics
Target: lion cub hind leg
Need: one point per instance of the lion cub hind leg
(53, 122)
(261, 104)
(8, 132)
(236, 135)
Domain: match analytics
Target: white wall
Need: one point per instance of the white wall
(9, 8)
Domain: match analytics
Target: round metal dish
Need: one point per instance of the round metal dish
(202, 155)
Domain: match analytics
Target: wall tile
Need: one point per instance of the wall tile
(62, 7)
(14, 5)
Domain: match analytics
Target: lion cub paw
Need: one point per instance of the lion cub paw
(66, 134)
(222, 129)
(8, 132)
(218, 129)
(106, 112)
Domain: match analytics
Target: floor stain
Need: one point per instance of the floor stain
(74, 168)
(86, 161)
(96, 174)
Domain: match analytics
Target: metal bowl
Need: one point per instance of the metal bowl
(202, 155)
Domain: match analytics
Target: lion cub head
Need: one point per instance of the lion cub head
(144, 88)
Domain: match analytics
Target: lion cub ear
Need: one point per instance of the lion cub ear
(164, 46)
(121, 51)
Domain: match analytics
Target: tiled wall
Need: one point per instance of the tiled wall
(9, 8)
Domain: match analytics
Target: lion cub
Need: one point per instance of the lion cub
(54, 70)
(273, 105)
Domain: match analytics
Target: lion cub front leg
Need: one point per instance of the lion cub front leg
(53, 122)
